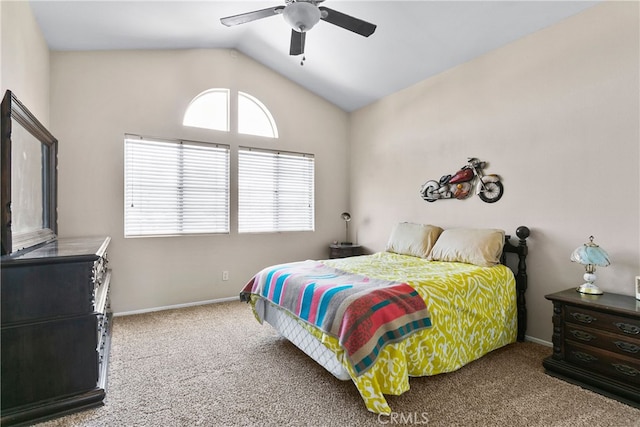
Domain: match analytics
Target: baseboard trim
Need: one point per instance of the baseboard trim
(538, 341)
(173, 307)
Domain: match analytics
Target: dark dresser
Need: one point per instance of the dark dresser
(596, 343)
(55, 329)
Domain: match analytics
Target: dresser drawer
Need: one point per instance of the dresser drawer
(47, 359)
(101, 294)
(623, 368)
(102, 309)
(617, 343)
(104, 332)
(99, 276)
(100, 268)
(604, 321)
(48, 290)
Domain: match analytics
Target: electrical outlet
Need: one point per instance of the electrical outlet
(225, 275)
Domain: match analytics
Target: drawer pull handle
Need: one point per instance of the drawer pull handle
(584, 357)
(583, 318)
(628, 329)
(625, 369)
(627, 346)
(582, 336)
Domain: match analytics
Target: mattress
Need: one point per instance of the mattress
(296, 332)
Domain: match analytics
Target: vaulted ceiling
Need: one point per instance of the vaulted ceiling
(413, 40)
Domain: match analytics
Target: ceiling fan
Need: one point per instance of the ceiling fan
(302, 15)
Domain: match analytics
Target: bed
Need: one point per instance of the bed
(432, 302)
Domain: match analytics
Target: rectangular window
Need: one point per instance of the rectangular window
(175, 187)
(275, 191)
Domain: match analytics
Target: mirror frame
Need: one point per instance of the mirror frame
(14, 113)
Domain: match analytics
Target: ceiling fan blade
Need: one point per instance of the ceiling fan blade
(243, 18)
(347, 22)
(297, 43)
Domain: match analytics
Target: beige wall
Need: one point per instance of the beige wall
(24, 58)
(97, 97)
(556, 114)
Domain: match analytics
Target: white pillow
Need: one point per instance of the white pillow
(413, 239)
(477, 246)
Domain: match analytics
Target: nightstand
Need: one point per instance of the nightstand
(340, 250)
(596, 343)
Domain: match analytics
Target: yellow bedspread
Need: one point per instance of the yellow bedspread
(473, 311)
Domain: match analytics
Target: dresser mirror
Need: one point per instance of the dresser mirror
(29, 178)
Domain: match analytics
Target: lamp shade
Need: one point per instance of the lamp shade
(590, 254)
(301, 15)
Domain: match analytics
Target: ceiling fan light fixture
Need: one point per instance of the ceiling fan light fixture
(301, 15)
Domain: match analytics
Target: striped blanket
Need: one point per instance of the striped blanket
(363, 313)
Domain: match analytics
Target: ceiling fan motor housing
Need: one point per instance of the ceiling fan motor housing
(301, 15)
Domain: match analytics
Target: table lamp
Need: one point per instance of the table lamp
(590, 255)
(346, 216)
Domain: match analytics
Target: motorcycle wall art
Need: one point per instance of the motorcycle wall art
(460, 185)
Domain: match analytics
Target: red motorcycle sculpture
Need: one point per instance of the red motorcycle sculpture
(459, 186)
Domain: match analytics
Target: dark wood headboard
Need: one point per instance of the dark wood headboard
(521, 251)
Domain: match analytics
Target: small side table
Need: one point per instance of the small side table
(340, 250)
(596, 343)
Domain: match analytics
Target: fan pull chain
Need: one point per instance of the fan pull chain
(304, 58)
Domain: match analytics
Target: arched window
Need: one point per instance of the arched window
(254, 118)
(209, 110)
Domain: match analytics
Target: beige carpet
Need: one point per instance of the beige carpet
(215, 365)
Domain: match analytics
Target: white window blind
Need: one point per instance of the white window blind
(175, 187)
(275, 191)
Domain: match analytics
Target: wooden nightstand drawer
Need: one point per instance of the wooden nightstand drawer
(604, 321)
(611, 364)
(344, 251)
(616, 343)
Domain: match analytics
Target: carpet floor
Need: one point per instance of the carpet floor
(215, 365)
